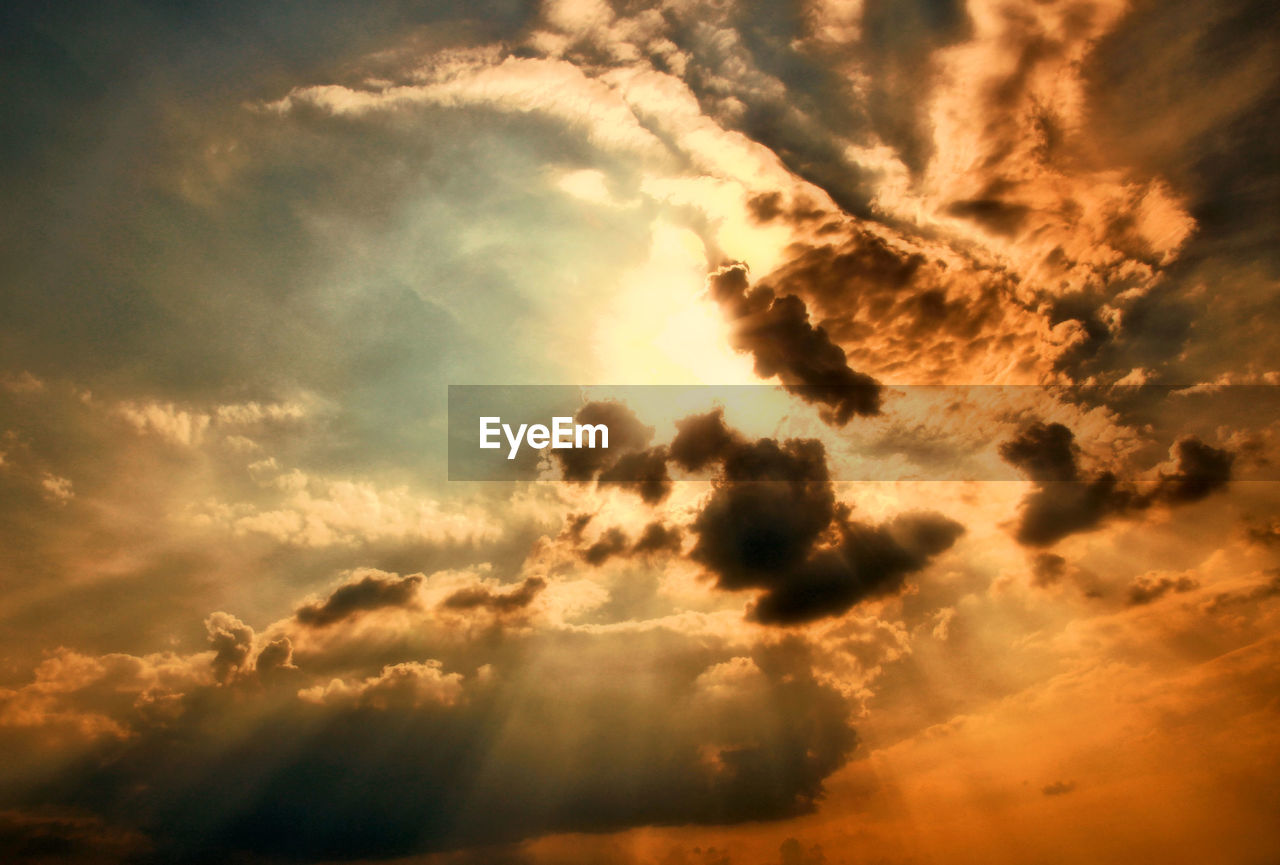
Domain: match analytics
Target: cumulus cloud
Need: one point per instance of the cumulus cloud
(1047, 568)
(516, 598)
(654, 539)
(231, 641)
(1151, 587)
(627, 436)
(773, 523)
(1067, 500)
(913, 311)
(384, 755)
(643, 472)
(67, 837)
(411, 684)
(370, 592)
(610, 543)
(306, 510)
(775, 330)
(359, 205)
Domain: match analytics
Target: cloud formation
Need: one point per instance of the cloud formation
(775, 330)
(371, 592)
(247, 246)
(1066, 500)
(773, 523)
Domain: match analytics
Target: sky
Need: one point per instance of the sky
(957, 543)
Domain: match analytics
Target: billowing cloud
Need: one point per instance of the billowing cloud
(1067, 500)
(513, 599)
(370, 592)
(246, 617)
(411, 735)
(775, 330)
(1152, 587)
(627, 436)
(773, 523)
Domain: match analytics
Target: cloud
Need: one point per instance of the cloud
(555, 88)
(775, 330)
(1256, 593)
(305, 510)
(67, 838)
(231, 641)
(795, 853)
(514, 599)
(914, 311)
(1200, 471)
(274, 656)
(371, 766)
(1047, 569)
(412, 684)
(773, 523)
(643, 472)
(655, 538)
(627, 436)
(1152, 587)
(1066, 501)
(1059, 788)
(79, 698)
(214, 208)
(701, 440)
(371, 592)
(610, 543)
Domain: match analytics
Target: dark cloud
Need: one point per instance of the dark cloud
(627, 435)
(643, 472)
(575, 524)
(768, 206)
(1044, 453)
(1066, 501)
(776, 331)
(727, 738)
(701, 440)
(66, 838)
(1047, 569)
(1266, 534)
(1059, 788)
(1188, 110)
(869, 561)
(765, 207)
(773, 523)
(1201, 470)
(998, 217)
(1051, 513)
(1086, 313)
(759, 84)
(1255, 594)
(656, 538)
(515, 598)
(795, 853)
(749, 532)
(899, 37)
(1146, 589)
(863, 271)
(275, 655)
(368, 593)
(611, 543)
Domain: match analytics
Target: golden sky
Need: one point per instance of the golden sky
(981, 569)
